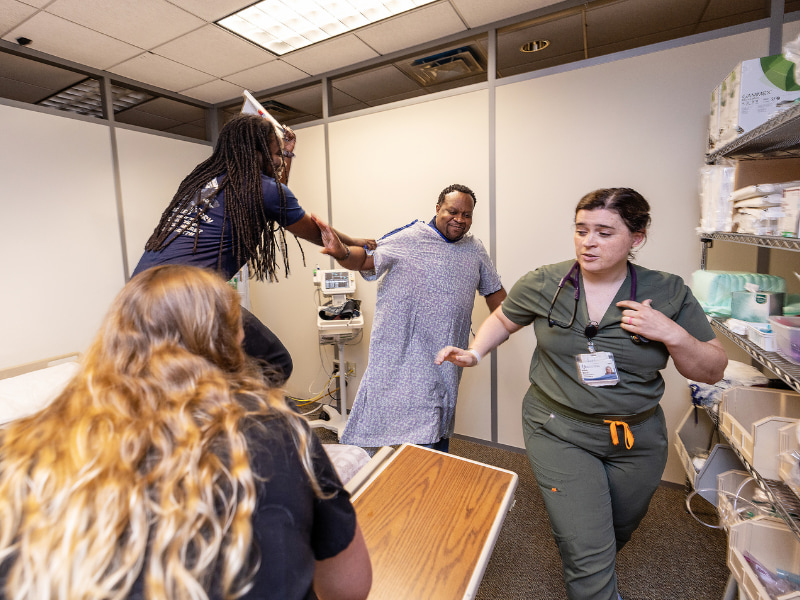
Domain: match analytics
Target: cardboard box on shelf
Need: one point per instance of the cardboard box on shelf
(789, 223)
(713, 121)
(753, 92)
(768, 170)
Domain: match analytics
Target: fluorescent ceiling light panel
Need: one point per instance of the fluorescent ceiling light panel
(281, 26)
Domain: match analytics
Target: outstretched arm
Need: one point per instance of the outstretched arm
(349, 256)
(308, 229)
(495, 330)
(695, 360)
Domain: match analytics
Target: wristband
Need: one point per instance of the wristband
(345, 257)
(475, 354)
(287, 154)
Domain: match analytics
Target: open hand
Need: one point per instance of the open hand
(331, 244)
(457, 356)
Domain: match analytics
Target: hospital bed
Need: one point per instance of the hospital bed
(27, 388)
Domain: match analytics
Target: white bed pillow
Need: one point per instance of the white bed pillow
(346, 459)
(25, 394)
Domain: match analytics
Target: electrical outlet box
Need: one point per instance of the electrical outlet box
(349, 367)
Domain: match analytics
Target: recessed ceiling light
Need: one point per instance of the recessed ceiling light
(534, 46)
(283, 26)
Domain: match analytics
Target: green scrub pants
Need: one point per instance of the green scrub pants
(596, 493)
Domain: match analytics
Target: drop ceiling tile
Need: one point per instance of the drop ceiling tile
(341, 51)
(212, 11)
(143, 23)
(636, 42)
(306, 100)
(721, 9)
(172, 109)
(12, 13)
(482, 12)
(410, 29)
(37, 3)
(614, 23)
(29, 71)
(266, 76)
(62, 38)
(375, 84)
(22, 92)
(214, 50)
(214, 91)
(161, 72)
(132, 116)
(188, 130)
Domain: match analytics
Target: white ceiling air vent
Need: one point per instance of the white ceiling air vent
(84, 98)
(446, 66)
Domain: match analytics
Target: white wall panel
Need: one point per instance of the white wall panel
(288, 307)
(151, 168)
(61, 257)
(639, 122)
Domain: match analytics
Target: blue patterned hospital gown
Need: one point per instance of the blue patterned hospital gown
(425, 300)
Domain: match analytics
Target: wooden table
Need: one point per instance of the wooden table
(431, 521)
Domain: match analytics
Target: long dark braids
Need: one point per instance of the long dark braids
(256, 239)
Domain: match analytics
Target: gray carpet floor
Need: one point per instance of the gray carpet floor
(671, 556)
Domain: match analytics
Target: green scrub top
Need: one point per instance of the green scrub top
(553, 371)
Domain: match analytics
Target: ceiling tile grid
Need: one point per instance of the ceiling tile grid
(145, 23)
(213, 50)
(419, 26)
(272, 74)
(483, 12)
(53, 35)
(161, 72)
(12, 13)
(330, 55)
(213, 92)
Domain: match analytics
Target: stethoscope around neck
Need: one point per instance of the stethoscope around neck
(573, 276)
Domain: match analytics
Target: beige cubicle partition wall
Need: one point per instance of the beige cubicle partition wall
(151, 168)
(638, 122)
(387, 169)
(61, 257)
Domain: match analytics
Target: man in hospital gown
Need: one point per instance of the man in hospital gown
(429, 273)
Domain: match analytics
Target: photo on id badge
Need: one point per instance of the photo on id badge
(597, 368)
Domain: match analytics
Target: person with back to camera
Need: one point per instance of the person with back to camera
(429, 275)
(232, 210)
(594, 431)
(168, 469)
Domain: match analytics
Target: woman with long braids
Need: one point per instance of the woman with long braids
(168, 469)
(232, 210)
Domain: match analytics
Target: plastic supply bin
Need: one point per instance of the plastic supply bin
(697, 439)
(766, 340)
(789, 447)
(751, 417)
(787, 334)
(730, 509)
(772, 544)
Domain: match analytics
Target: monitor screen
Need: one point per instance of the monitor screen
(338, 281)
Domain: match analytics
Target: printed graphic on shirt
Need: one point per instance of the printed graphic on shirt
(186, 221)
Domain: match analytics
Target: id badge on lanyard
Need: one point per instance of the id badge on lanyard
(597, 368)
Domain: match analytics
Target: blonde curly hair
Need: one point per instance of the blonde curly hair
(141, 465)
